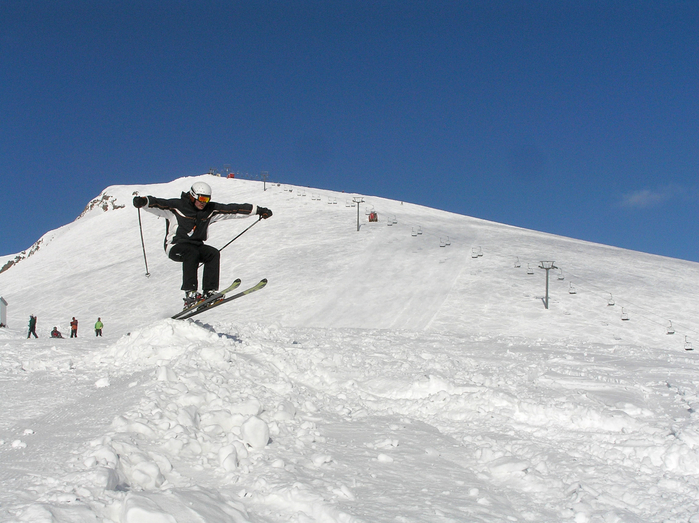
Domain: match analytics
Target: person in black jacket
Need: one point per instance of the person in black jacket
(187, 225)
(32, 327)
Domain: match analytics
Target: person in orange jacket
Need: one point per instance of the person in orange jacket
(74, 328)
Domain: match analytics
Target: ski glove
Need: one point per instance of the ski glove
(264, 213)
(140, 201)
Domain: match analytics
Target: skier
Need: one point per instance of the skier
(74, 328)
(55, 333)
(98, 327)
(187, 222)
(32, 326)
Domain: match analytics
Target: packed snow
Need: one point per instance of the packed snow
(404, 372)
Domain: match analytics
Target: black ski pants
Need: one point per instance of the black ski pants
(191, 255)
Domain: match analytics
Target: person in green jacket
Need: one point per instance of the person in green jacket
(98, 327)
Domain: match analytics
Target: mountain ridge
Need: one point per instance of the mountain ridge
(385, 275)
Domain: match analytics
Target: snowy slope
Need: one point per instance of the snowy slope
(404, 372)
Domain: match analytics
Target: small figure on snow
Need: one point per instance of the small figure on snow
(32, 326)
(98, 327)
(188, 220)
(74, 328)
(55, 333)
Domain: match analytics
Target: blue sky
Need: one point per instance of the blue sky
(579, 118)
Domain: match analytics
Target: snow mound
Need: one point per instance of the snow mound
(165, 341)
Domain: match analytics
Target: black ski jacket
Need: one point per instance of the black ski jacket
(184, 223)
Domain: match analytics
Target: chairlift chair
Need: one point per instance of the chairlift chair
(517, 264)
(687, 344)
(571, 289)
(670, 328)
(529, 269)
(624, 315)
(560, 274)
(610, 301)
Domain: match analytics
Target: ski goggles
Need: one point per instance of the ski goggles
(204, 198)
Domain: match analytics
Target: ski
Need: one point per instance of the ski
(207, 301)
(210, 306)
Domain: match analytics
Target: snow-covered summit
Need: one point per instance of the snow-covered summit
(416, 268)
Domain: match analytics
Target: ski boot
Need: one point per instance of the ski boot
(191, 298)
(208, 294)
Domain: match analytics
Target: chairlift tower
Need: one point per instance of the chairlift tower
(357, 200)
(547, 266)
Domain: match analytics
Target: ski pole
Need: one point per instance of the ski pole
(239, 235)
(143, 243)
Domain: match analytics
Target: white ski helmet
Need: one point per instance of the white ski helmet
(200, 189)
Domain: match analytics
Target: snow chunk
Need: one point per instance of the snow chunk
(255, 432)
(147, 475)
(321, 459)
(140, 509)
(228, 458)
(252, 407)
(507, 466)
